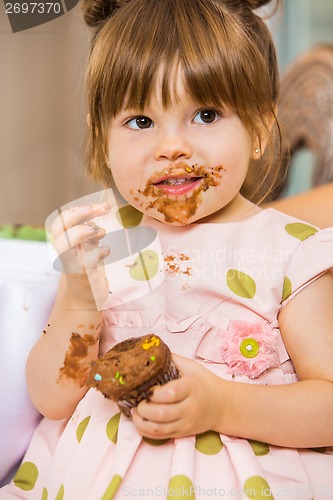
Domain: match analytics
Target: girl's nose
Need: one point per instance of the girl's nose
(173, 147)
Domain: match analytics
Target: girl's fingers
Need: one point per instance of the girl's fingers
(161, 413)
(172, 392)
(84, 233)
(68, 218)
(159, 426)
(75, 216)
(75, 238)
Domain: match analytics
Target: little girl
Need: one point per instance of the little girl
(182, 95)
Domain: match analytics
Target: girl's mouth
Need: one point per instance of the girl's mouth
(177, 185)
(176, 192)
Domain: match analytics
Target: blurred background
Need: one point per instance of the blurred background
(43, 111)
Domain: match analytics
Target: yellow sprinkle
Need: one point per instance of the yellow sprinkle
(121, 380)
(153, 342)
(188, 169)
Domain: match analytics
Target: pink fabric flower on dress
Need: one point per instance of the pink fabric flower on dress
(249, 348)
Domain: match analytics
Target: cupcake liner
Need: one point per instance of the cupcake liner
(144, 391)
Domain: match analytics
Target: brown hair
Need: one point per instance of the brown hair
(224, 49)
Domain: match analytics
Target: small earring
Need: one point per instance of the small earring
(256, 151)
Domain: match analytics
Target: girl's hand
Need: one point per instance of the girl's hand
(76, 240)
(182, 407)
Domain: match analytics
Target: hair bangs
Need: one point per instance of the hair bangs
(134, 64)
(203, 48)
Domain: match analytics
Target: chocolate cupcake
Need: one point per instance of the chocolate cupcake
(128, 371)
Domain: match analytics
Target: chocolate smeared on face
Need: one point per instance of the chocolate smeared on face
(180, 208)
(75, 366)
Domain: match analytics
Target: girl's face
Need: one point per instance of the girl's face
(180, 164)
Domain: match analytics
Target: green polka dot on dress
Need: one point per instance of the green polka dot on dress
(259, 448)
(112, 488)
(155, 442)
(208, 443)
(300, 230)
(145, 266)
(81, 428)
(112, 428)
(180, 486)
(257, 487)
(128, 216)
(61, 493)
(241, 284)
(26, 476)
(287, 288)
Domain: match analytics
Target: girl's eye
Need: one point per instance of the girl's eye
(139, 122)
(206, 116)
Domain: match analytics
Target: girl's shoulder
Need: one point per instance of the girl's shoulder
(275, 218)
(273, 222)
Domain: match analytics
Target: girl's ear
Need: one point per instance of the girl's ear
(88, 120)
(260, 141)
(259, 146)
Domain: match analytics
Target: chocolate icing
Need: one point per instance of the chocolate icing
(128, 371)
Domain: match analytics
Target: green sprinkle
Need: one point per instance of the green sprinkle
(117, 375)
(152, 358)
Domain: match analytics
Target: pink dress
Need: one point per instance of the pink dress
(218, 301)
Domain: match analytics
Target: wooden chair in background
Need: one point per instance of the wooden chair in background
(305, 111)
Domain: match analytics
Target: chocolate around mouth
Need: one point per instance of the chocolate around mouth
(180, 209)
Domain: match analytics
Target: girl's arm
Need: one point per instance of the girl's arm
(294, 415)
(58, 365)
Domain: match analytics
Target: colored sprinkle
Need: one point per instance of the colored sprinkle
(153, 342)
(98, 377)
(121, 380)
(188, 169)
(152, 358)
(117, 375)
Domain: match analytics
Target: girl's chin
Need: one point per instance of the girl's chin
(175, 210)
(176, 218)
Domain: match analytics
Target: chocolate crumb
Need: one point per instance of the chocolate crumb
(173, 264)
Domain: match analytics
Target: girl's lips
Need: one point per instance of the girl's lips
(177, 185)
